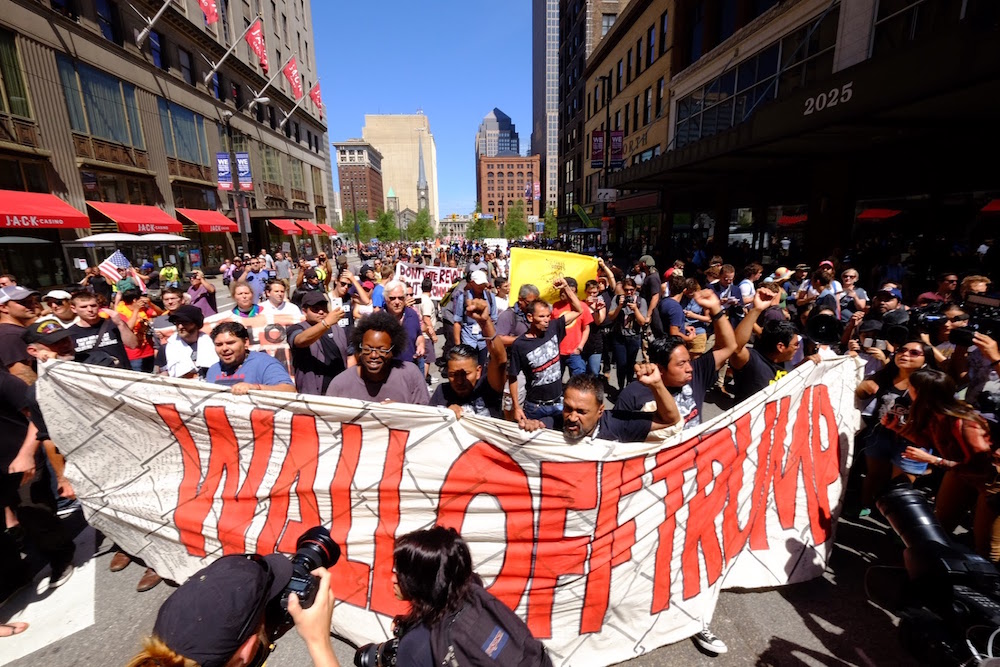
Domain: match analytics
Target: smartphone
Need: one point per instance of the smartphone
(880, 344)
(416, 301)
(868, 342)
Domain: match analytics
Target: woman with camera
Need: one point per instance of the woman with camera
(960, 439)
(433, 572)
(628, 312)
(887, 391)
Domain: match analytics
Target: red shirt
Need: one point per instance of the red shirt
(575, 329)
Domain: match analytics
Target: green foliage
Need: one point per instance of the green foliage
(482, 229)
(516, 226)
(551, 223)
(420, 229)
(385, 227)
(367, 230)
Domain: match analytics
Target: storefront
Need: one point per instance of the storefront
(161, 241)
(32, 228)
(216, 232)
(279, 233)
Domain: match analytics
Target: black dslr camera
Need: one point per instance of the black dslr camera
(947, 598)
(314, 548)
(377, 655)
(984, 317)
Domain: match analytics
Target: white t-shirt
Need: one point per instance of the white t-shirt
(286, 308)
(427, 309)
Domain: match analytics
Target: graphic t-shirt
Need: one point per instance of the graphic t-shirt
(637, 397)
(484, 401)
(85, 339)
(538, 359)
(758, 373)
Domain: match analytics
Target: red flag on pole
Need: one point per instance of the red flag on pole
(255, 38)
(210, 11)
(317, 100)
(292, 74)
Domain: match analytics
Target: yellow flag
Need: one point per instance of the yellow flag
(542, 267)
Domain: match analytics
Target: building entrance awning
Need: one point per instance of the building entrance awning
(136, 219)
(37, 210)
(327, 229)
(287, 227)
(209, 221)
(309, 226)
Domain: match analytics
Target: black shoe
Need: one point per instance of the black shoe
(60, 575)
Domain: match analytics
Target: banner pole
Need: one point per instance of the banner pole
(236, 42)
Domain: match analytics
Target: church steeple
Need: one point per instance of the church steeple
(423, 198)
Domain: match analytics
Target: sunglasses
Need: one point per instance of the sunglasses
(395, 298)
(911, 353)
(343, 284)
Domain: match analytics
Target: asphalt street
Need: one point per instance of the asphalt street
(98, 618)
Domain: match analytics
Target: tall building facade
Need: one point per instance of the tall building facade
(359, 170)
(401, 138)
(582, 25)
(497, 136)
(93, 116)
(545, 93)
(505, 180)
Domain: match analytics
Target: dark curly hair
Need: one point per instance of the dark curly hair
(379, 321)
(434, 571)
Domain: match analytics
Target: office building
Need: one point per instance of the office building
(497, 136)
(401, 139)
(505, 180)
(106, 122)
(359, 171)
(545, 93)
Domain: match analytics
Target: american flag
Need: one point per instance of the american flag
(109, 267)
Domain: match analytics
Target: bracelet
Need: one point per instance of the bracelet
(938, 462)
(718, 316)
(323, 322)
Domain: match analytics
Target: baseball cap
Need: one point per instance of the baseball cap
(801, 267)
(204, 619)
(188, 315)
(58, 295)
(648, 260)
(47, 331)
(893, 293)
(342, 260)
(479, 277)
(310, 299)
(15, 293)
(310, 274)
(826, 262)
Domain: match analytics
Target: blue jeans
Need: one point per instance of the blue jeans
(594, 363)
(624, 350)
(536, 411)
(142, 364)
(575, 364)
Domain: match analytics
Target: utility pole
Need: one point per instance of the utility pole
(239, 197)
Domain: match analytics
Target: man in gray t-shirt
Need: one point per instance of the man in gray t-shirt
(282, 266)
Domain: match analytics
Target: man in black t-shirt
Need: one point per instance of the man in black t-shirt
(688, 381)
(583, 414)
(467, 391)
(98, 340)
(536, 354)
(757, 368)
(649, 290)
(318, 345)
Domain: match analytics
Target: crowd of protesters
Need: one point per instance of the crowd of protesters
(633, 354)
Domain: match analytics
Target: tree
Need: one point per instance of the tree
(358, 222)
(551, 223)
(420, 229)
(481, 228)
(516, 226)
(385, 227)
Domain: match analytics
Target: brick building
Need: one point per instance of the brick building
(359, 167)
(505, 180)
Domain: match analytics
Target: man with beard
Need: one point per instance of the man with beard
(240, 368)
(467, 391)
(379, 376)
(688, 381)
(318, 345)
(583, 414)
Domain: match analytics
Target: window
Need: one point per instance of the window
(607, 20)
(651, 45)
(635, 113)
(13, 92)
(216, 89)
(901, 23)
(272, 164)
(284, 28)
(184, 133)
(638, 57)
(298, 178)
(156, 49)
(618, 80)
(109, 21)
(99, 104)
(695, 32)
(626, 120)
(65, 7)
(661, 87)
(618, 119)
(628, 67)
(663, 33)
(647, 108)
(184, 62)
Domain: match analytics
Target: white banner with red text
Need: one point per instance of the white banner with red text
(607, 550)
(442, 277)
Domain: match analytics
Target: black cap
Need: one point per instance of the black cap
(188, 315)
(47, 331)
(209, 617)
(310, 274)
(310, 299)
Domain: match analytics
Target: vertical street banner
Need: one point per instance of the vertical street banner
(255, 38)
(543, 267)
(617, 149)
(597, 150)
(606, 550)
(210, 10)
(224, 171)
(291, 72)
(538, 190)
(317, 99)
(243, 171)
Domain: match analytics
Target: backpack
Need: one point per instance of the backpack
(486, 632)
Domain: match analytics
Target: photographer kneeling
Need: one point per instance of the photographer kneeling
(219, 617)
(450, 612)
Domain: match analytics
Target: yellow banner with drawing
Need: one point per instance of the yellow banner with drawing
(542, 267)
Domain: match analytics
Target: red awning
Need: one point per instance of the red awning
(309, 226)
(136, 219)
(992, 207)
(35, 210)
(287, 226)
(209, 221)
(790, 220)
(878, 214)
(327, 229)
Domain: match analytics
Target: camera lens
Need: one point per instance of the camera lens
(315, 548)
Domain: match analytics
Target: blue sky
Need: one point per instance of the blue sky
(455, 59)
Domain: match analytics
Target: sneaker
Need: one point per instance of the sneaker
(66, 506)
(60, 575)
(707, 640)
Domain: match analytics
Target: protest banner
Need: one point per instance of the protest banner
(492, 244)
(443, 277)
(607, 550)
(542, 267)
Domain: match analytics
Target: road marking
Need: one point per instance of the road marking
(69, 609)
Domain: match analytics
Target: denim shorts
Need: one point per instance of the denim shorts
(881, 443)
